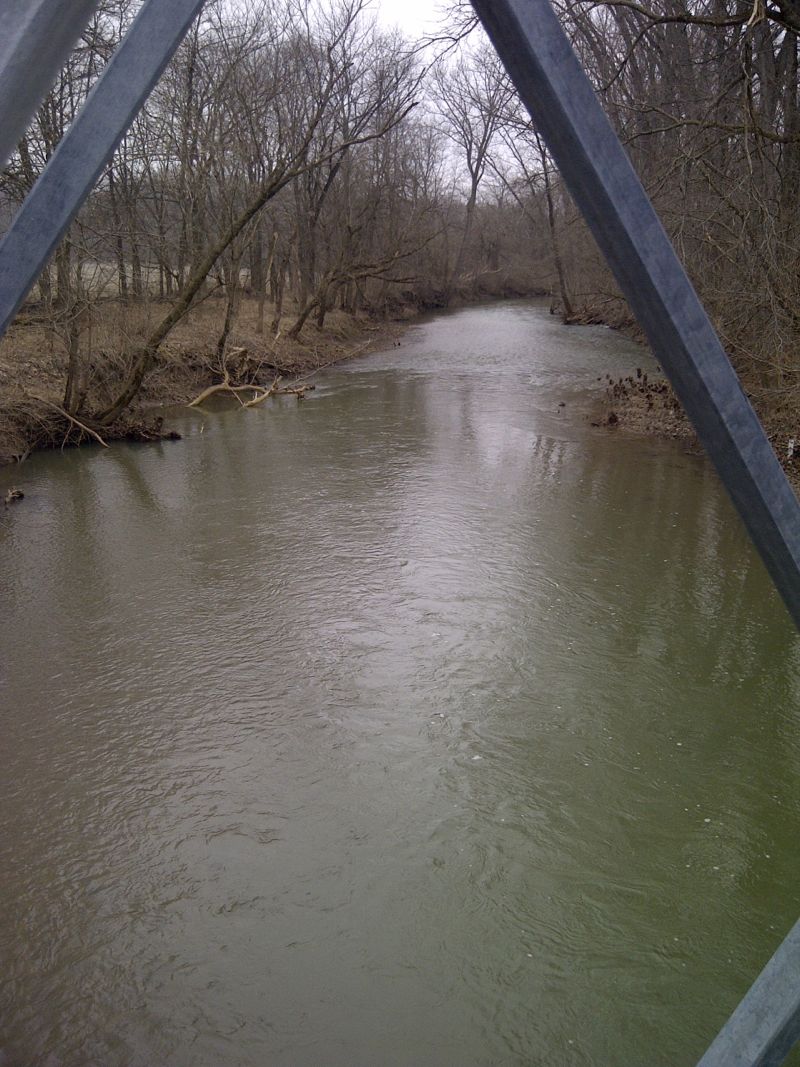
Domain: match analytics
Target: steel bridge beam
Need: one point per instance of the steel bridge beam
(766, 1025)
(36, 37)
(599, 175)
(87, 146)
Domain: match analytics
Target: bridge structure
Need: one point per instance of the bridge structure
(35, 40)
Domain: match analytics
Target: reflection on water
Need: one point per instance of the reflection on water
(416, 724)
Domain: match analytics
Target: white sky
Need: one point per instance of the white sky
(414, 17)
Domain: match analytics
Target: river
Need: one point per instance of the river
(419, 723)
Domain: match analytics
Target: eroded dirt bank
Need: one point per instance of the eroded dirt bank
(645, 405)
(34, 359)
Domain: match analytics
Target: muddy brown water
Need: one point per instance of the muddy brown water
(418, 723)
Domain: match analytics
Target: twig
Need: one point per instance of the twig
(71, 418)
(264, 395)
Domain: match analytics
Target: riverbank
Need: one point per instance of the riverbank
(649, 408)
(646, 406)
(34, 359)
(34, 362)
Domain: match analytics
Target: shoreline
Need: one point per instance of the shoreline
(33, 363)
(645, 406)
(32, 418)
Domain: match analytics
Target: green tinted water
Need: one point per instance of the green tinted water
(420, 723)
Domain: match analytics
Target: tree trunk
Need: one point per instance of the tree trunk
(119, 243)
(64, 273)
(231, 308)
(75, 386)
(566, 303)
(301, 319)
(462, 245)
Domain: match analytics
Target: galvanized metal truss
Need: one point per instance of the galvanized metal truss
(554, 88)
(35, 40)
(36, 36)
(89, 143)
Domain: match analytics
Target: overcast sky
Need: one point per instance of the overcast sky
(414, 17)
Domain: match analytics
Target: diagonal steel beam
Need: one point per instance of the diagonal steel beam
(87, 146)
(598, 173)
(35, 40)
(766, 1025)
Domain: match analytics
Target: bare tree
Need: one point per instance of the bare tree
(471, 95)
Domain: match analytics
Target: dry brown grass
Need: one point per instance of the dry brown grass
(34, 358)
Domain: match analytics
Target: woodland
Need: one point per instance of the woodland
(301, 177)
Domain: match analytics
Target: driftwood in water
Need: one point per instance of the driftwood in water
(260, 392)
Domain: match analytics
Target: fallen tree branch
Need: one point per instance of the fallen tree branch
(263, 395)
(71, 418)
(81, 426)
(223, 387)
(261, 392)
